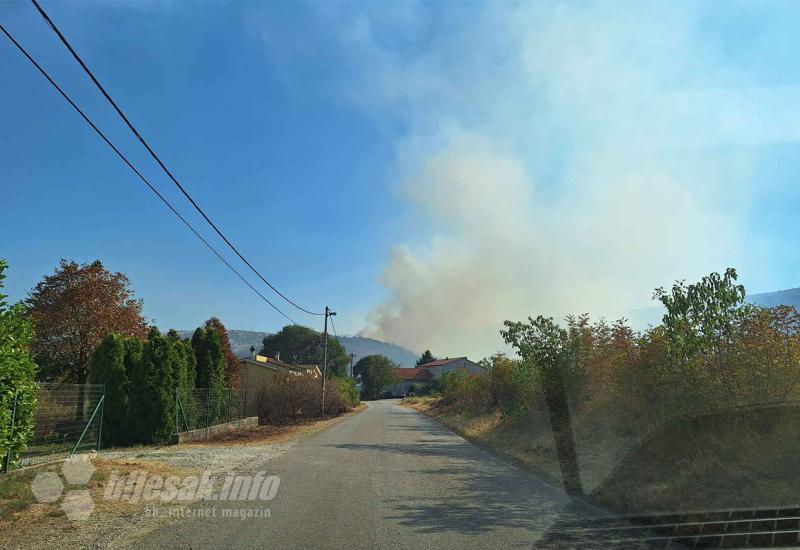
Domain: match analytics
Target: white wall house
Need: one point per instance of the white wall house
(420, 377)
(441, 366)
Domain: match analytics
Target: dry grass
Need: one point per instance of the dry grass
(29, 523)
(741, 460)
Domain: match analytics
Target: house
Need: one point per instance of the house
(420, 377)
(257, 370)
(442, 366)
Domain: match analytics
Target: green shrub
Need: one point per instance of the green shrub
(338, 397)
(347, 387)
(466, 389)
(108, 368)
(210, 368)
(513, 384)
(17, 374)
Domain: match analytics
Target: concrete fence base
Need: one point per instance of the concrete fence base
(205, 433)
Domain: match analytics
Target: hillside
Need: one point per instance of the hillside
(790, 297)
(369, 346)
(241, 340)
(640, 318)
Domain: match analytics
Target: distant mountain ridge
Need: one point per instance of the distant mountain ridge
(241, 340)
(789, 297)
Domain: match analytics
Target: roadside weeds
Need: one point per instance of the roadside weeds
(743, 462)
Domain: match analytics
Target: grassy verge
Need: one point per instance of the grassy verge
(15, 494)
(29, 523)
(742, 459)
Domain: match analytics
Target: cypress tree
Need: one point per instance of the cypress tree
(210, 370)
(210, 359)
(155, 377)
(108, 368)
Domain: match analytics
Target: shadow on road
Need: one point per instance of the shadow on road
(466, 490)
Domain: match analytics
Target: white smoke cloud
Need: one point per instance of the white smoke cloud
(564, 158)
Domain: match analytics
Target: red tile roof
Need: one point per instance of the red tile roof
(440, 362)
(413, 374)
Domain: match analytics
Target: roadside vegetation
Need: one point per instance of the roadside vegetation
(82, 324)
(377, 374)
(17, 373)
(292, 398)
(698, 412)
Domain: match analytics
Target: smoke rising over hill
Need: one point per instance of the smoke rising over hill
(561, 158)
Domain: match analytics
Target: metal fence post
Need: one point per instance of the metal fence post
(208, 405)
(176, 411)
(7, 464)
(89, 423)
(228, 407)
(102, 410)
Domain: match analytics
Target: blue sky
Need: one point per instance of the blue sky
(294, 175)
(427, 169)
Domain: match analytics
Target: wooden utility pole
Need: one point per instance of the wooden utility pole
(328, 313)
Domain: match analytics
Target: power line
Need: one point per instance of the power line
(334, 329)
(158, 160)
(135, 171)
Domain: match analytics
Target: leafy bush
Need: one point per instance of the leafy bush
(466, 389)
(340, 395)
(17, 374)
(289, 397)
(514, 385)
(347, 387)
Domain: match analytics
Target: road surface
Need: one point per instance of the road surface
(388, 477)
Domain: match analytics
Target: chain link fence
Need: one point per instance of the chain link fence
(68, 418)
(203, 407)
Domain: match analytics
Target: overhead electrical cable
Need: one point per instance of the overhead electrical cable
(135, 171)
(160, 162)
(334, 329)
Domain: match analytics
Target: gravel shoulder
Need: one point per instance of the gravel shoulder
(114, 523)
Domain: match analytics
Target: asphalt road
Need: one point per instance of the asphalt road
(388, 477)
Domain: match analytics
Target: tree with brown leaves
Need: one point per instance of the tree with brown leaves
(73, 310)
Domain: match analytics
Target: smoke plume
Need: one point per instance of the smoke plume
(560, 158)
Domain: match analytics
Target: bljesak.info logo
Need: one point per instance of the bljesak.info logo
(157, 491)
